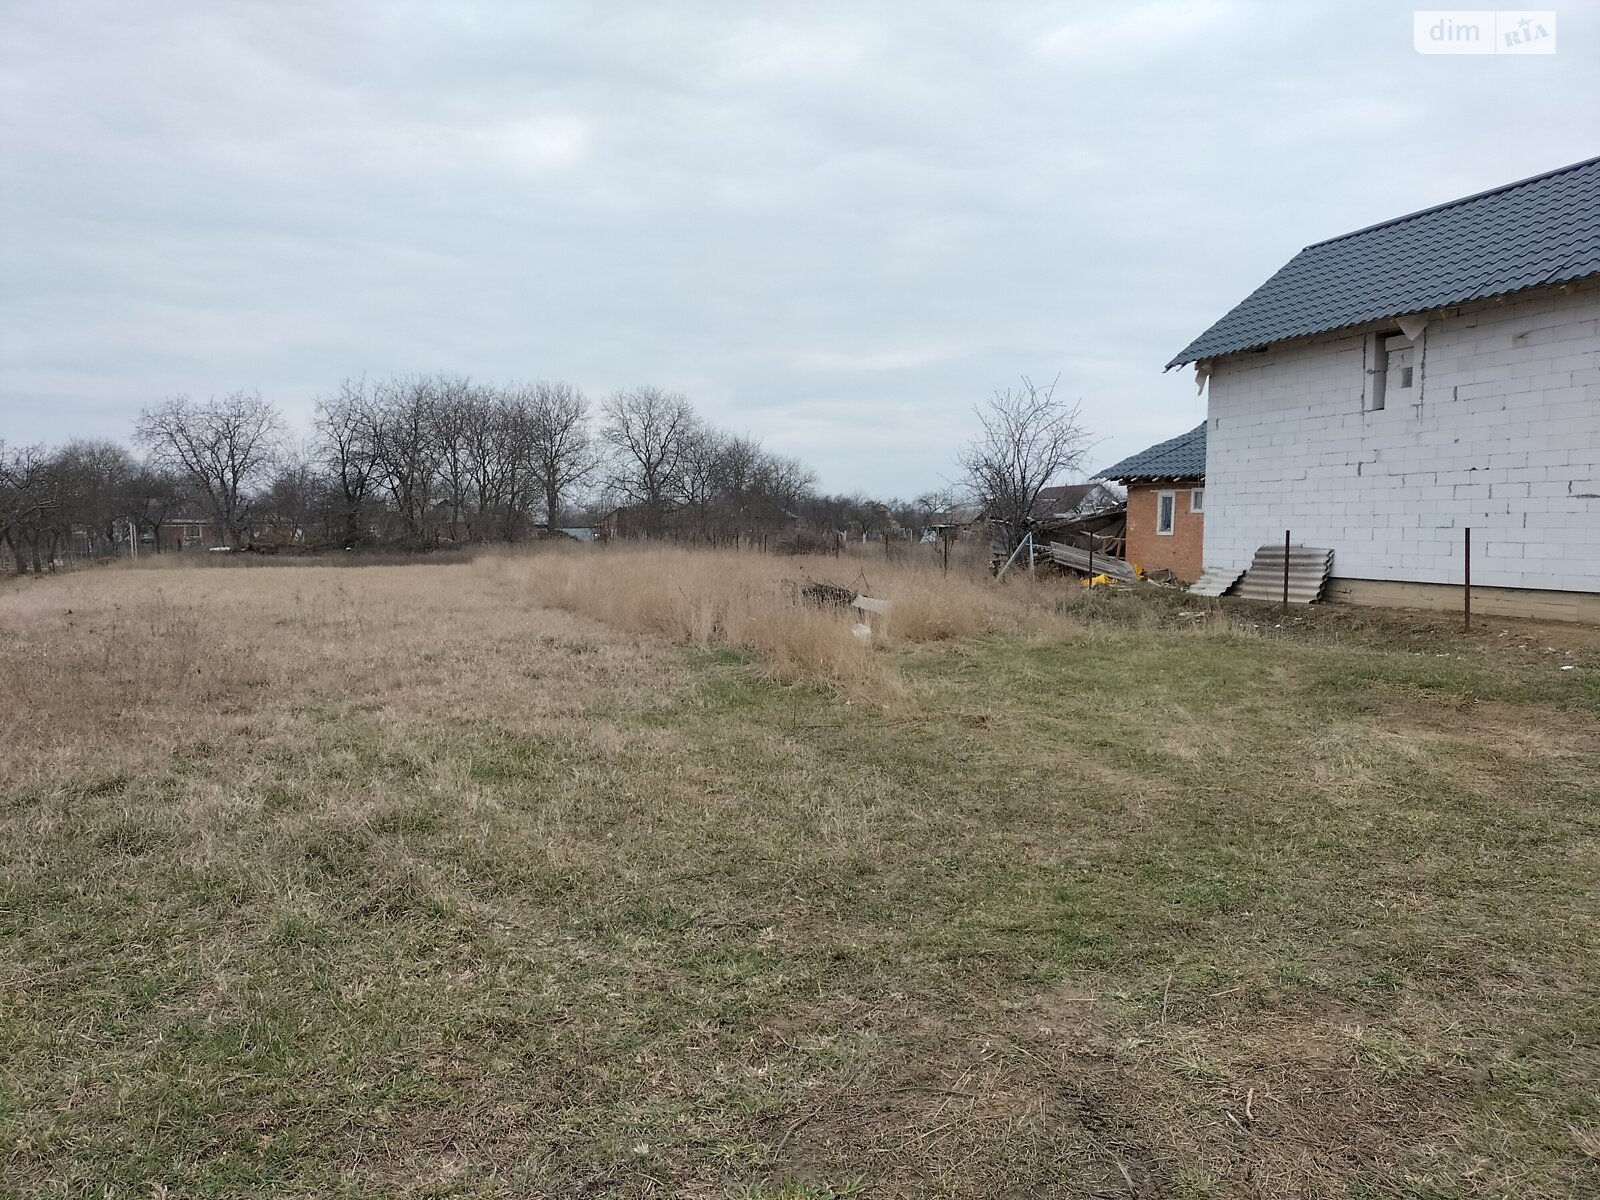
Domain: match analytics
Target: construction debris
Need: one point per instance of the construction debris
(820, 594)
(1309, 568)
(871, 608)
(1107, 530)
(1081, 561)
(1215, 581)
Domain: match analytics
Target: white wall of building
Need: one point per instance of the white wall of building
(1500, 431)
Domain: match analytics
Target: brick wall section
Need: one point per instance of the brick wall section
(1182, 551)
(1500, 432)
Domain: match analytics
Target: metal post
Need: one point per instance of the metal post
(1286, 571)
(1001, 573)
(1030, 552)
(1466, 578)
(1091, 561)
(944, 537)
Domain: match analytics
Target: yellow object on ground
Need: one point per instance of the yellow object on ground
(1099, 581)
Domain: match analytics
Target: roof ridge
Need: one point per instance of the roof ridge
(1422, 212)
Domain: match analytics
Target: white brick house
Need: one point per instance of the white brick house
(1388, 389)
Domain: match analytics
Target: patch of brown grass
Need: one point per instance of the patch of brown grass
(710, 598)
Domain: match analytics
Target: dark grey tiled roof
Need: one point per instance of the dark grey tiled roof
(1538, 231)
(1068, 494)
(1182, 457)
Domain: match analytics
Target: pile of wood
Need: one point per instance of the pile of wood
(818, 593)
(1107, 530)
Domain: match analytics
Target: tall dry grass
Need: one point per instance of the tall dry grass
(690, 595)
(749, 602)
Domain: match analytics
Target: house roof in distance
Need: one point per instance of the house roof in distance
(1065, 496)
(1182, 457)
(1542, 230)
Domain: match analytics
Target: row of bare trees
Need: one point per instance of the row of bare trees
(439, 458)
(421, 461)
(409, 462)
(91, 491)
(670, 472)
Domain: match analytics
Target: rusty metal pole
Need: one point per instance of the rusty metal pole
(944, 536)
(1091, 562)
(1285, 572)
(1466, 578)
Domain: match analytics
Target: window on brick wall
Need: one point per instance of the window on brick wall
(1166, 512)
(1197, 500)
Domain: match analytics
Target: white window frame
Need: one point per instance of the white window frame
(1173, 525)
(1197, 506)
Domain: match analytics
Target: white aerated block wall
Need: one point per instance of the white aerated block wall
(1500, 431)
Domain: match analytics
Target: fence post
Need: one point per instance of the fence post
(1466, 578)
(1285, 572)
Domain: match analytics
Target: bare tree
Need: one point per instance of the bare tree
(452, 404)
(343, 432)
(493, 433)
(148, 498)
(28, 501)
(699, 482)
(296, 496)
(782, 486)
(562, 454)
(741, 475)
(1028, 438)
(400, 430)
(88, 475)
(649, 430)
(224, 447)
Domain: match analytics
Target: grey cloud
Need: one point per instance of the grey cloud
(835, 226)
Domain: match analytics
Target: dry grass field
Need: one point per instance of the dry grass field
(612, 873)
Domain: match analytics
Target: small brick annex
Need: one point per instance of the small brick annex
(1183, 550)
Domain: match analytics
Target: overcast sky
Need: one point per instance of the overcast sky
(834, 226)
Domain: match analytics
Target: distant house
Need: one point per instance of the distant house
(961, 522)
(1072, 500)
(184, 533)
(1166, 504)
(1389, 388)
(628, 521)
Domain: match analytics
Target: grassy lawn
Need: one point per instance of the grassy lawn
(390, 882)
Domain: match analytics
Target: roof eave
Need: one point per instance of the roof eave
(1187, 356)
